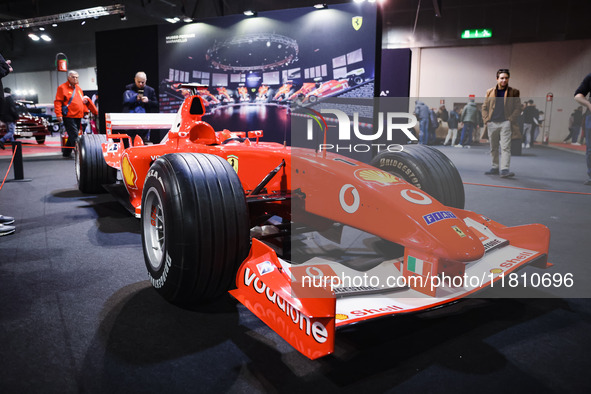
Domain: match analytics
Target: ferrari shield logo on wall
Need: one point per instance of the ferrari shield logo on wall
(357, 22)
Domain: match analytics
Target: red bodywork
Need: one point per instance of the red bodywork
(329, 88)
(315, 188)
(224, 95)
(282, 92)
(306, 88)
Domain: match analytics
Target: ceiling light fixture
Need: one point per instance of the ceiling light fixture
(319, 6)
(34, 37)
(94, 12)
(172, 20)
(83, 23)
(249, 13)
(45, 37)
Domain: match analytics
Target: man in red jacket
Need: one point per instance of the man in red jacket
(70, 106)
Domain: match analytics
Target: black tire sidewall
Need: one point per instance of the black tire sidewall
(165, 278)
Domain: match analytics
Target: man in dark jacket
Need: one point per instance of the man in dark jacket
(500, 111)
(5, 221)
(530, 121)
(422, 112)
(452, 127)
(8, 115)
(581, 93)
(470, 119)
(140, 98)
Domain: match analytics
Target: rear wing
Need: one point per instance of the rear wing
(135, 121)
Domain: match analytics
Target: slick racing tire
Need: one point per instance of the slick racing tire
(195, 227)
(426, 168)
(91, 169)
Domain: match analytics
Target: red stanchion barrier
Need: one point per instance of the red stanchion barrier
(7, 171)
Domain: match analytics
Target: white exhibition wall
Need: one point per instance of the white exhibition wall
(454, 73)
(45, 82)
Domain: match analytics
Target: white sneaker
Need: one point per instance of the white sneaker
(5, 229)
(457, 146)
(526, 146)
(576, 143)
(6, 219)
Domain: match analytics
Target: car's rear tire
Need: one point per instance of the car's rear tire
(40, 139)
(426, 168)
(195, 227)
(91, 169)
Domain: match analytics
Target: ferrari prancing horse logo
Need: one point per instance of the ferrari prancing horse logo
(233, 160)
(357, 22)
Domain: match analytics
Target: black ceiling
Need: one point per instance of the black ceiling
(512, 21)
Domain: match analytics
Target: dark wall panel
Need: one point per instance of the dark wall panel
(120, 54)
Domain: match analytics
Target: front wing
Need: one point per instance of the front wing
(306, 303)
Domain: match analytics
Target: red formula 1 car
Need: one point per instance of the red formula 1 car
(300, 94)
(217, 207)
(327, 89)
(282, 93)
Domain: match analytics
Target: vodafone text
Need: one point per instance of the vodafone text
(316, 329)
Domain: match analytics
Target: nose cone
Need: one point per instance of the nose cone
(460, 244)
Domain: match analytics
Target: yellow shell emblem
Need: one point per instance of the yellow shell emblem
(496, 271)
(340, 316)
(381, 177)
(128, 172)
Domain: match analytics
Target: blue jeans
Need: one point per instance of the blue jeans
(9, 136)
(424, 133)
(467, 130)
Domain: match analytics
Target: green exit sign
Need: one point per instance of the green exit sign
(477, 33)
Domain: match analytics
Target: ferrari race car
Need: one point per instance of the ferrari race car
(222, 211)
(28, 124)
(282, 93)
(327, 89)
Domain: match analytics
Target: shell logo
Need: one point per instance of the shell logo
(340, 316)
(128, 172)
(380, 177)
(496, 271)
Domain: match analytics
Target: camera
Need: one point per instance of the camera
(140, 93)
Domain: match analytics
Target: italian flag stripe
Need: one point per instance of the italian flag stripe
(415, 265)
(418, 266)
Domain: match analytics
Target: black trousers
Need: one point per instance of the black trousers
(72, 126)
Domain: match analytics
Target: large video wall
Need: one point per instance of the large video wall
(280, 57)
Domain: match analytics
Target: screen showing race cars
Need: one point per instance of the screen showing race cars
(256, 67)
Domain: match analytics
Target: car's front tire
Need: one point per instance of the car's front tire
(195, 227)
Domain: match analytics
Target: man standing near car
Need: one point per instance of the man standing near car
(8, 115)
(70, 107)
(500, 111)
(581, 93)
(140, 98)
(5, 221)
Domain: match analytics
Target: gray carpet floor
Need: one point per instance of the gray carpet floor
(78, 315)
